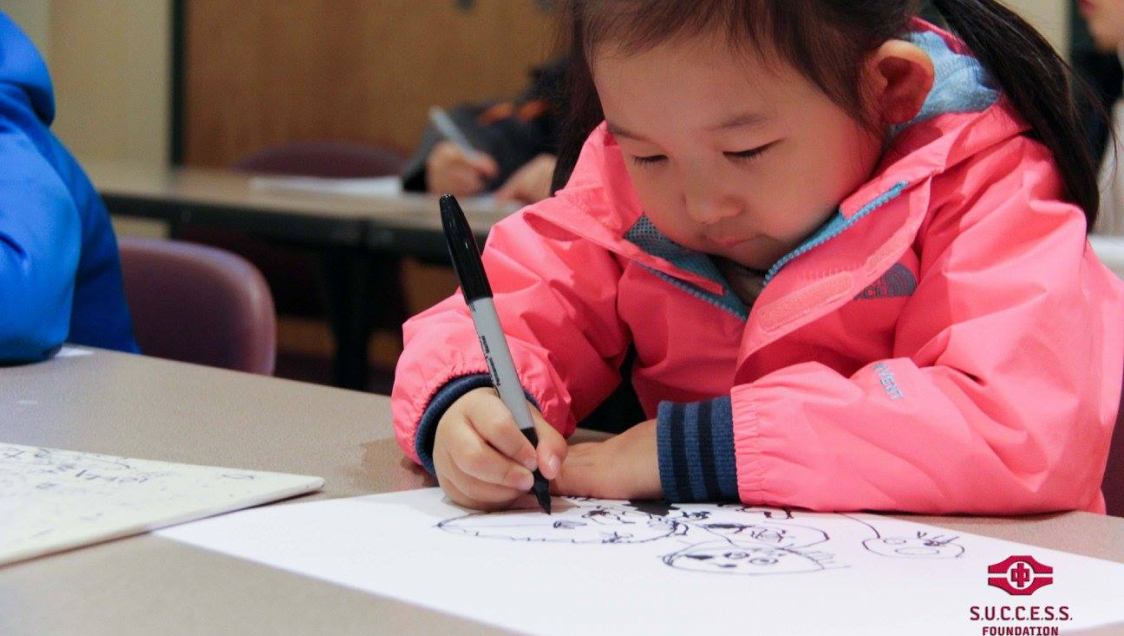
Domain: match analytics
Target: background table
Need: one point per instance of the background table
(143, 407)
(352, 235)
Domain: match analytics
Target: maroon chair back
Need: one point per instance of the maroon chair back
(199, 304)
(1113, 485)
(339, 159)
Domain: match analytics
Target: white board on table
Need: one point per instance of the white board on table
(605, 567)
(53, 500)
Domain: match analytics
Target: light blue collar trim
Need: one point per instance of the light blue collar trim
(645, 236)
(835, 226)
(960, 85)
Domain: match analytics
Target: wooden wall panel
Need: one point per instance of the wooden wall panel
(262, 72)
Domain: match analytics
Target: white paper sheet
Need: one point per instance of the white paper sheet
(67, 351)
(53, 500)
(599, 567)
(361, 187)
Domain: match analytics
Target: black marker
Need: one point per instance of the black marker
(478, 296)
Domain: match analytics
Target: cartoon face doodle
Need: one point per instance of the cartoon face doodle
(922, 546)
(767, 513)
(723, 539)
(589, 524)
(745, 559)
(776, 535)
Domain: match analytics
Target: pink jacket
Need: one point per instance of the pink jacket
(949, 343)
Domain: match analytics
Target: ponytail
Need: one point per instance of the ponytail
(1038, 83)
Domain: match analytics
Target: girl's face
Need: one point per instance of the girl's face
(729, 155)
(1106, 22)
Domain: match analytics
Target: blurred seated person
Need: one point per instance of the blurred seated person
(1105, 20)
(517, 143)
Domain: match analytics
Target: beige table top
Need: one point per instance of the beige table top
(197, 194)
(143, 407)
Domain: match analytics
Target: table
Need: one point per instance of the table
(407, 224)
(355, 236)
(143, 407)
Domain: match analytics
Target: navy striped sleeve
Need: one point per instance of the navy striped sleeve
(696, 451)
(442, 400)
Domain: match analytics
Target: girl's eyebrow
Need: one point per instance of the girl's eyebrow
(617, 131)
(740, 120)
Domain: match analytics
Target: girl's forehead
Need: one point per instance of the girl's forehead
(700, 85)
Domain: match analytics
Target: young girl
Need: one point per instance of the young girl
(845, 249)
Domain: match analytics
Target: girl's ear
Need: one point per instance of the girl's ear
(900, 78)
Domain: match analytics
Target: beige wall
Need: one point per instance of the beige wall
(110, 61)
(1051, 17)
(34, 17)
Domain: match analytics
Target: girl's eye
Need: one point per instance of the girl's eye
(749, 155)
(647, 161)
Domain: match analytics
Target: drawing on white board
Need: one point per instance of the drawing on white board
(719, 539)
(577, 523)
(729, 557)
(922, 545)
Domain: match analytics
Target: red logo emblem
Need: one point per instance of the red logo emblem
(1019, 575)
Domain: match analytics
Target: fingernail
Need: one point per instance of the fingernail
(552, 464)
(526, 482)
(529, 463)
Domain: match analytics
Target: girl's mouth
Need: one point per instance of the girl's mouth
(731, 242)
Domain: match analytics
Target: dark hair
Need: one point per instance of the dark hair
(827, 41)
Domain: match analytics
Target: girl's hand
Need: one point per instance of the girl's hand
(449, 171)
(531, 183)
(623, 467)
(483, 460)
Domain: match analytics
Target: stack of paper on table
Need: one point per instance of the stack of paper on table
(53, 500)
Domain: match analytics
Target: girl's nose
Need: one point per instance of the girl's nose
(709, 209)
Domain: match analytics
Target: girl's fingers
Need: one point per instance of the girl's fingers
(474, 493)
(461, 499)
(552, 446)
(498, 428)
(578, 476)
(476, 459)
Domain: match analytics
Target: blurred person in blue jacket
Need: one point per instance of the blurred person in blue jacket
(60, 274)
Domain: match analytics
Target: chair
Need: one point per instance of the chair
(199, 304)
(337, 159)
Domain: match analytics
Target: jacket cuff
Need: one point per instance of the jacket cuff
(696, 451)
(442, 400)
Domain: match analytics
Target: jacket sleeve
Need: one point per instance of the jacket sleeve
(555, 294)
(40, 243)
(1000, 397)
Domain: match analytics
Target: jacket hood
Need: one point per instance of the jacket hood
(23, 73)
